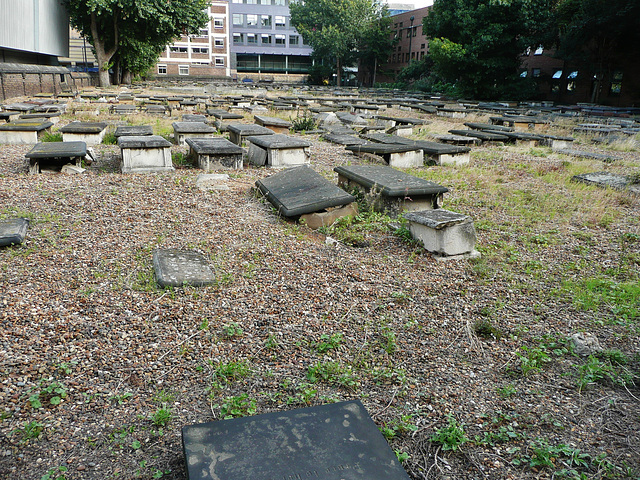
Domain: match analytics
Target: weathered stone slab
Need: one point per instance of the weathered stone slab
(442, 231)
(19, 107)
(92, 133)
(343, 139)
(53, 117)
(212, 153)
(145, 154)
(9, 116)
(484, 136)
(337, 441)
(176, 268)
(238, 132)
(610, 180)
(123, 109)
(54, 155)
(604, 157)
(207, 182)
(391, 191)
(156, 109)
(13, 231)
(488, 126)
(134, 131)
(184, 130)
(278, 125)
(277, 150)
(300, 190)
(191, 117)
(350, 119)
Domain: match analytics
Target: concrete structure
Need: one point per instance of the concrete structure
(265, 46)
(204, 55)
(443, 232)
(145, 154)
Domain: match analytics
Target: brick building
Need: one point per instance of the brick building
(203, 55)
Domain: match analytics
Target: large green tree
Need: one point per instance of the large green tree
(333, 27)
(149, 25)
(375, 43)
(480, 42)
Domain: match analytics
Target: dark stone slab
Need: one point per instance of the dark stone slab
(381, 148)
(158, 109)
(300, 190)
(343, 139)
(245, 130)
(41, 115)
(123, 109)
(278, 141)
(273, 121)
(84, 127)
(175, 268)
(143, 141)
(609, 180)
(224, 115)
(58, 150)
(389, 181)
(13, 231)
(192, 127)
(429, 148)
(510, 120)
(488, 126)
(484, 136)
(19, 107)
(437, 219)
(191, 117)
(214, 146)
(604, 157)
(134, 131)
(403, 120)
(35, 125)
(337, 441)
(350, 119)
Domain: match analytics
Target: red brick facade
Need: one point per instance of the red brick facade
(29, 83)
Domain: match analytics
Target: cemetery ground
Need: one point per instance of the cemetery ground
(466, 366)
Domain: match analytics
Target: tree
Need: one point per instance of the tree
(595, 34)
(147, 25)
(332, 27)
(375, 43)
(480, 42)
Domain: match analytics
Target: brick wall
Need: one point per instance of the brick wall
(29, 80)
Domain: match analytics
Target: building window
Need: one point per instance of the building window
(421, 55)
(218, 23)
(422, 46)
(280, 39)
(408, 33)
(523, 74)
(280, 2)
(294, 40)
(237, 19)
(393, 58)
(252, 38)
(183, 69)
(535, 72)
(539, 50)
(265, 2)
(162, 69)
(175, 49)
(238, 38)
(571, 81)
(265, 39)
(557, 75)
(203, 50)
(400, 25)
(252, 20)
(219, 61)
(251, 2)
(280, 21)
(237, 1)
(204, 32)
(265, 20)
(218, 42)
(616, 83)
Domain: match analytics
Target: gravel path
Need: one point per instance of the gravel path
(79, 306)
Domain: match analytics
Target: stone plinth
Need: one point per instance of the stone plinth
(277, 151)
(395, 155)
(91, 133)
(20, 132)
(278, 125)
(134, 131)
(239, 131)
(145, 154)
(13, 231)
(391, 191)
(184, 130)
(177, 268)
(54, 155)
(443, 232)
(215, 153)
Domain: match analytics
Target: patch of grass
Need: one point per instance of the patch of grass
(356, 230)
(161, 417)
(398, 426)
(328, 342)
(227, 372)
(602, 371)
(57, 473)
(333, 373)
(29, 431)
(485, 329)
(506, 391)
(303, 123)
(532, 360)
(232, 329)
(52, 137)
(110, 139)
(238, 406)
(451, 437)
(180, 159)
(620, 299)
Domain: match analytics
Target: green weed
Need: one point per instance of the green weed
(227, 372)
(232, 329)
(398, 426)
(161, 417)
(303, 123)
(451, 437)
(328, 342)
(110, 139)
(49, 392)
(29, 431)
(56, 473)
(239, 406)
(52, 137)
(334, 373)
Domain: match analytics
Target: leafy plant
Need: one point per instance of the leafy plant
(232, 329)
(398, 426)
(48, 391)
(52, 137)
(533, 360)
(239, 406)
(596, 370)
(303, 123)
(55, 474)
(451, 437)
(162, 417)
(179, 159)
(332, 372)
(506, 391)
(110, 139)
(485, 329)
(226, 372)
(30, 431)
(328, 342)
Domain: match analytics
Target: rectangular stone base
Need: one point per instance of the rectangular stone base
(443, 232)
(217, 162)
(88, 138)
(287, 157)
(412, 159)
(181, 138)
(452, 159)
(17, 137)
(146, 160)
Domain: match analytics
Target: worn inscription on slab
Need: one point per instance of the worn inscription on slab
(176, 268)
(330, 442)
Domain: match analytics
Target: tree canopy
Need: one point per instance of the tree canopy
(479, 42)
(333, 27)
(137, 30)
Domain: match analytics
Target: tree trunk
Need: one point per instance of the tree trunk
(375, 67)
(126, 77)
(339, 71)
(103, 56)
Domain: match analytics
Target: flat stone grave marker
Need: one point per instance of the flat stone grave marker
(184, 130)
(439, 153)
(239, 131)
(192, 117)
(336, 441)
(393, 154)
(123, 109)
(91, 133)
(342, 139)
(52, 156)
(213, 153)
(278, 125)
(350, 119)
(156, 109)
(13, 231)
(19, 132)
(53, 117)
(9, 116)
(604, 157)
(277, 150)
(222, 117)
(300, 190)
(488, 126)
(443, 232)
(19, 107)
(482, 135)
(176, 268)
(610, 180)
(133, 131)
(389, 190)
(521, 122)
(457, 139)
(145, 154)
